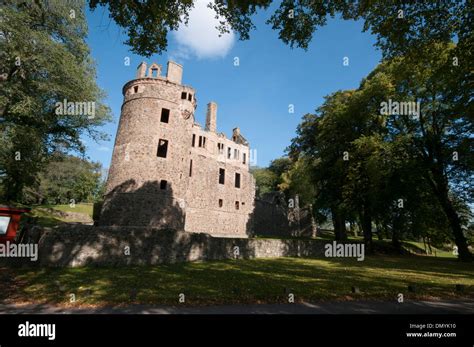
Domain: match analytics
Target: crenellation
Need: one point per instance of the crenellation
(154, 71)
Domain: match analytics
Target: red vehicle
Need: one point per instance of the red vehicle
(9, 222)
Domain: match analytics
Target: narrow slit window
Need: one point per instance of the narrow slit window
(229, 152)
(135, 89)
(237, 205)
(162, 148)
(194, 140)
(200, 141)
(204, 141)
(244, 159)
(163, 184)
(165, 115)
(221, 176)
(190, 168)
(221, 202)
(237, 180)
(190, 97)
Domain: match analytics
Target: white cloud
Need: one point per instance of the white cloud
(200, 37)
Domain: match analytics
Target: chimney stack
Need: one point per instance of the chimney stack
(141, 71)
(211, 116)
(175, 72)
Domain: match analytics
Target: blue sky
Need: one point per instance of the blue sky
(254, 95)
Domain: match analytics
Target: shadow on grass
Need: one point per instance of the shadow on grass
(246, 281)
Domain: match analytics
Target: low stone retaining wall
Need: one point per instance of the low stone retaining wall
(79, 245)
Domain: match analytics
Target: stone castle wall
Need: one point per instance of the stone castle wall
(192, 198)
(273, 217)
(219, 209)
(81, 245)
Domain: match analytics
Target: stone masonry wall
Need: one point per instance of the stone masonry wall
(80, 245)
(203, 210)
(192, 199)
(272, 217)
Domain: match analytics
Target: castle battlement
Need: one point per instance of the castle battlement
(169, 171)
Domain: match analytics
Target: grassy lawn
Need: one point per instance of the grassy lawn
(48, 219)
(79, 208)
(419, 248)
(242, 281)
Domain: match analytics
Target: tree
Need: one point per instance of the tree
(269, 179)
(393, 157)
(399, 27)
(417, 33)
(265, 180)
(441, 134)
(324, 139)
(66, 178)
(48, 83)
(147, 22)
(297, 181)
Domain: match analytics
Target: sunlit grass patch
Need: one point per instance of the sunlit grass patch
(247, 281)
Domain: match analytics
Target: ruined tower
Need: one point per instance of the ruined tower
(167, 171)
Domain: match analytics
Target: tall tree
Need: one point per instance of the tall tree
(49, 96)
(325, 140)
(442, 132)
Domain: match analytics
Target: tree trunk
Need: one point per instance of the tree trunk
(379, 232)
(340, 233)
(440, 188)
(396, 228)
(352, 229)
(455, 224)
(396, 240)
(367, 229)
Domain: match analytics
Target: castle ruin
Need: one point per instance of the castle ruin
(168, 171)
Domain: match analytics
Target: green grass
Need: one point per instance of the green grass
(44, 218)
(242, 281)
(79, 208)
(419, 248)
(48, 219)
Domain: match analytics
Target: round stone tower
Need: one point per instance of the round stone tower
(147, 180)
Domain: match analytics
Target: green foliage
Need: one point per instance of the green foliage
(265, 180)
(44, 60)
(279, 166)
(399, 27)
(147, 22)
(399, 173)
(270, 179)
(66, 179)
(297, 181)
